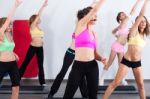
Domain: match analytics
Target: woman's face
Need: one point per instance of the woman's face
(122, 16)
(9, 28)
(142, 24)
(93, 20)
(39, 21)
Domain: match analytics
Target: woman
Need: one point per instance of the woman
(68, 59)
(36, 46)
(121, 33)
(132, 58)
(86, 52)
(8, 58)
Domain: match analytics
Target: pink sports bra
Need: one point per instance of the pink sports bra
(123, 31)
(85, 40)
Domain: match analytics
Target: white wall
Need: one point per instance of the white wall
(58, 21)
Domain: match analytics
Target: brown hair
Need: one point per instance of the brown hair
(83, 12)
(2, 21)
(118, 17)
(32, 19)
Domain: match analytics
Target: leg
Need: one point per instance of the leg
(68, 59)
(83, 88)
(73, 82)
(138, 74)
(120, 56)
(111, 59)
(40, 58)
(122, 71)
(92, 81)
(26, 61)
(15, 92)
(15, 79)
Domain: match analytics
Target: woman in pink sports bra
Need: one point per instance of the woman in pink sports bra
(86, 53)
(67, 61)
(117, 48)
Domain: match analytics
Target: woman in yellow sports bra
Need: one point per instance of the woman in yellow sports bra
(36, 46)
(132, 58)
(8, 58)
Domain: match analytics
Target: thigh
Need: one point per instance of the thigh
(92, 81)
(121, 73)
(73, 82)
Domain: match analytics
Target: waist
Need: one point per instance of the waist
(7, 56)
(37, 42)
(122, 40)
(84, 54)
(134, 53)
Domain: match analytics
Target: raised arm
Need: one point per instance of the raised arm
(125, 22)
(39, 13)
(9, 17)
(139, 18)
(134, 7)
(95, 7)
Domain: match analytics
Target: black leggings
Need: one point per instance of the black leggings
(80, 70)
(68, 59)
(31, 52)
(12, 69)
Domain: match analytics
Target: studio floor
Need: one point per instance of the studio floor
(62, 88)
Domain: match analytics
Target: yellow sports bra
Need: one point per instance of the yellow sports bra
(136, 40)
(36, 32)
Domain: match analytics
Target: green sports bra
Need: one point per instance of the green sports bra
(6, 45)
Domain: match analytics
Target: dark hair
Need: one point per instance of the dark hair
(147, 29)
(118, 17)
(2, 21)
(83, 12)
(32, 19)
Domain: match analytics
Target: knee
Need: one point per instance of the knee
(15, 88)
(141, 86)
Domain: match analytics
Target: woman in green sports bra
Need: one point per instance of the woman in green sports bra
(8, 58)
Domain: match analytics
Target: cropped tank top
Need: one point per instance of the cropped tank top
(6, 45)
(136, 40)
(37, 32)
(84, 40)
(123, 31)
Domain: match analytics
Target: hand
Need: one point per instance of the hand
(104, 61)
(18, 2)
(45, 3)
(17, 57)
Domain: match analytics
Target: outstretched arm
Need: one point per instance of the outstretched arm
(9, 17)
(139, 18)
(96, 5)
(124, 23)
(39, 13)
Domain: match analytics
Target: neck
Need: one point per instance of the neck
(90, 27)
